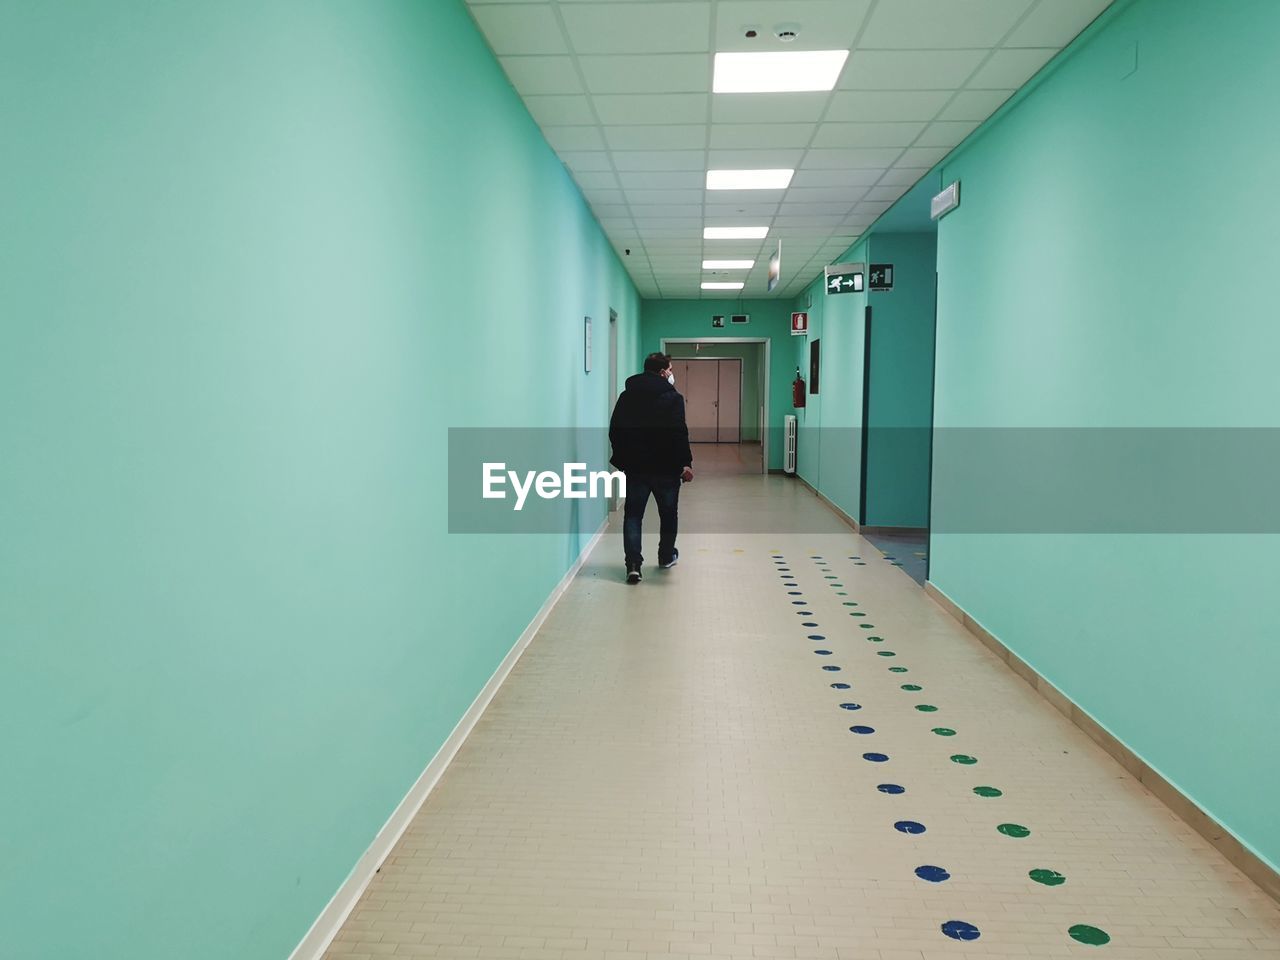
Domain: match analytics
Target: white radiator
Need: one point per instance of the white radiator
(789, 450)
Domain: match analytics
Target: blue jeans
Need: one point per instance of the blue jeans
(666, 491)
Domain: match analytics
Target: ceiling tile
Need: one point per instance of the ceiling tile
(867, 134)
(595, 181)
(637, 180)
(600, 196)
(880, 194)
(974, 104)
(586, 162)
(660, 160)
(611, 211)
(753, 159)
(871, 208)
(1010, 69)
(743, 197)
(757, 210)
(929, 24)
(768, 107)
(574, 138)
(542, 75)
(665, 108)
(922, 156)
(902, 176)
(664, 196)
(833, 207)
(946, 133)
(865, 157)
(909, 69)
(653, 211)
(825, 194)
(1055, 23)
(520, 29)
(835, 178)
(820, 24)
(658, 73)
(748, 135)
(887, 106)
(674, 137)
(682, 27)
(560, 110)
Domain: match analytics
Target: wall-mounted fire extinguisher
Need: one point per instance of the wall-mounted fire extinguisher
(797, 390)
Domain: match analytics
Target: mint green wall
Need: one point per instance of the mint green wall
(752, 357)
(829, 451)
(1112, 264)
(900, 401)
(257, 258)
(692, 318)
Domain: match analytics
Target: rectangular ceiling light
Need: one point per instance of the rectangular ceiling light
(734, 233)
(798, 72)
(728, 264)
(722, 286)
(749, 179)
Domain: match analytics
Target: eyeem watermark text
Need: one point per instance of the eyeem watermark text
(574, 482)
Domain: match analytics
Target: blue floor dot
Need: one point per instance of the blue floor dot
(804, 613)
(792, 593)
(816, 636)
(850, 706)
(808, 624)
(908, 826)
(891, 788)
(862, 729)
(840, 686)
(797, 603)
(823, 653)
(875, 757)
(932, 874)
(831, 669)
(959, 930)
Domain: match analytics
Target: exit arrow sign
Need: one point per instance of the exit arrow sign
(845, 278)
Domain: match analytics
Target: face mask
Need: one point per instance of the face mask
(671, 379)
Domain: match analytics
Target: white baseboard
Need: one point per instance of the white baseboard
(334, 915)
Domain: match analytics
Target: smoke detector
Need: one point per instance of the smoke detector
(786, 32)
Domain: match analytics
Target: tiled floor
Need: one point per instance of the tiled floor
(670, 772)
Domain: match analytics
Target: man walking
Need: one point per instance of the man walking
(651, 446)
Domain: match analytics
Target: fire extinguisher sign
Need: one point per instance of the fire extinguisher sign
(800, 324)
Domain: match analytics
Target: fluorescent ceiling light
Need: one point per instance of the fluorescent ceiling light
(728, 264)
(798, 72)
(749, 179)
(735, 233)
(722, 286)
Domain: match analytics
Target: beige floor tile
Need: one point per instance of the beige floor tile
(668, 773)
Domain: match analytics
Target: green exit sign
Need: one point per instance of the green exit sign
(845, 278)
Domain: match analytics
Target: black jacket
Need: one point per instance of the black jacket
(648, 432)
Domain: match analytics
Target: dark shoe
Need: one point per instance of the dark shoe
(633, 573)
(668, 564)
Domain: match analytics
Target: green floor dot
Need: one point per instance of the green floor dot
(926, 708)
(856, 613)
(1014, 830)
(838, 585)
(830, 577)
(912, 686)
(988, 792)
(963, 758)
(897, 669)
(944, 731)
(885, 653)
(867, 626)
(876, 639)
(1050, 878)
(1083, 933)
(842, 594)
(850, 603)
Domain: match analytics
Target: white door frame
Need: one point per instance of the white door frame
(768, 344)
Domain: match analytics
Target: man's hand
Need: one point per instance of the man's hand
(687, 474)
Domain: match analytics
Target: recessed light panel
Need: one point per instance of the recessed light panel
(749, 179)
(722, 286)
(728, 264)
(734, 233)
(799, 72)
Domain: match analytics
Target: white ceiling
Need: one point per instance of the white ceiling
(622, 91)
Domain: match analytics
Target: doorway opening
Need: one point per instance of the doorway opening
(725, 383)
(899, 330)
